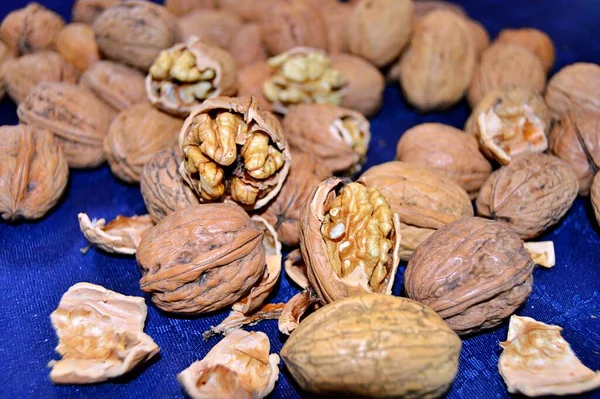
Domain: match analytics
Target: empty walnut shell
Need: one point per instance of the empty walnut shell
(87, 11)
(76, 43)
(134, 136)
(473, 272)
(533, 40)
(595, 196)
(449, 151)
(77, 118)
(214, 27)
(574, 86)
(530, 194)
(33, 172)
(246, 46)
(183, 7)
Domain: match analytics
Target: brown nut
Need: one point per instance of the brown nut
(595, 196)
(134, 32)
(232, 149)
(336, 21)
(86, 11)
(449, 151)
(250, 82)
(6, 54)
(186, 74)
(248, 11)
(120, 236)
(427, 82)
(246, 46)
(473, 272)
(479, 35)
(338, 137)
(183, 7)
(510, 121)
(22, 74)
(214, 27)
(533, 40)
(425, 199)
(134, 136)
(31, 28)
(33, 172)
(77, 45)
(424, 7)
(575, 139)
(77, 118)
(530, 194)
(373, 346)
(574, 86)
(506, 65)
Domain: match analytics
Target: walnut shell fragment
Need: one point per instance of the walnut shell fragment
(120, 236)
(595, 196)
(533, 40)
(537, 361)
(246, 46)
(542, 253)
(574, 86)
(473, 272)
(100, 335)
(76, 43)
(214, 27)
(238, 367)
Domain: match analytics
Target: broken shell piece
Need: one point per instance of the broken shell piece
(295, 308)
(121, 236)
(239, 366)
(537, 361)
(100, 335)
(236, 319)
(295, 268)
(542, 253)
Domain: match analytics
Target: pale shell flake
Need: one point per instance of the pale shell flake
(121, 236)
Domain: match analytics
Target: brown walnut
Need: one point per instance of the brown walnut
(77, 45)
(479, 36)
(6, 54)
(574, 86)
(533, 40)
(246, 46)
(87, 11)
(214, 27)
(336, 20)
(248, 11)
(250, 82)
(595, 196)
(183, 7)
(424, 7)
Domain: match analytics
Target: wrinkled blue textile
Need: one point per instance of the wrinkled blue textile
(40, 260)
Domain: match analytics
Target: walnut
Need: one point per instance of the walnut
(77, 45)
(575, 139)
(22, 74)
(116, 84)
(533, 40)
(437, 67)
(186, 74)
(120, 236)
(530, 194)
(505, 65)
(163, 188)
(595, 196)
(214, 27)
(250, 82)
(425, 199)
(336, 20)
(100, 335)
(249, 11)
(510, 121)
(238, 367)
(87, 11)
(479, 36)
(339, 137)
(449, 151)
(134, 32)
(33, 172)
(134, 136)
(246, 46)
(6, 54)
(473, 272)
(378, 30)
(373, 346)
(183, 7)
(31, 28)
(424, 7)
(234, 150)
(77, 118)
(537, 361)
(574, 86)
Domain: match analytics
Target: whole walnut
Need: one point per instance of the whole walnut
(22, 74)
(163, 189)
(249, 11)
(87, 11)
(530, 194)
(595, 196)
(31, 28)
(250, 82)
(246, 46)
(77, 118)
(473, 272)
(134, 32)
(77, 45)
(574, 86)
(116, 84)
(336, 20)
(425, 199)
(183, 7)
(214, 27)
(424, 7)
(33, 172)
(479, 35)
(575, 139)
(533, 40)
(378, 30)
(6, 53)
(505, 65)
(449, 151)
(134, 136)
(437, 67)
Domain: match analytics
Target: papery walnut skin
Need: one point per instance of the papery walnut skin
(87, 11)
(473, 272)
(182, 7)
(574, 86)
(214, 27)
(33, 172)
(76, 43)
(246, 46)
(530, 194)
(595, 196)
(533, 40)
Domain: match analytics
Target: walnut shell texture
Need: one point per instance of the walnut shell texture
(87, 11)
(214, 27)
(246, 46)
(479, 35)
(249, 11)
(533, 40)
(76, 43)
(595, 196)
(424, 7)
(250, 83)
(6, 54)
(183, 7)
(336, 20)
(574, 86)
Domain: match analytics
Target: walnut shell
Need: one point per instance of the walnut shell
(22, 74)
(33, 172)
(427, 82)
(249, 11)
(87, 11)
(505, 65)
(77, 118)
(575, 139)
(425, 199)
(449, 151)
(595, 196)
(574, 86)
(6, 53)
(373, 346)
(250, 83)
(120, 236)
(77, 45)
(183, 7)
(424, 7)
(473, 272)
(336, 21)
(533, 40)
(214, 27)
(134, 136)
(479, 35)
(530, 194)
(246, 46)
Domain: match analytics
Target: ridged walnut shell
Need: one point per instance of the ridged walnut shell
(183, 7)
(479, 36)
(595, 196)
(530, 194)
(214, 27)
(424, 7)
(373, 346)
(250, 82)
(87, 11)
(449, 151)
(6, 54)
(533, 40)
(249, 11)
(77, 118)
(574, 86)
(336, 20)
(246, 46)
(473, 272)
(76, 43)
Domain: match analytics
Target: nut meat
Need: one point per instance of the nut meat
(573, 87)
(31, 28)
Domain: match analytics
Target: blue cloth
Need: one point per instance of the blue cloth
(40, 260)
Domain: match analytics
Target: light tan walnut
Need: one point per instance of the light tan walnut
(214, 27)
(246, 46)
(183, 7)
(87, 11)
(77, 45)
(121, 236)
(533, 40)
(574, 87)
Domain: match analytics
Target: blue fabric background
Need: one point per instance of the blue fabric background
(39, 261)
